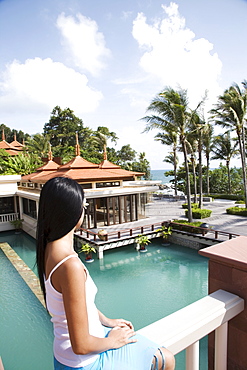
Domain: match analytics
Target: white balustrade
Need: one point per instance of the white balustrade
(8, 217)
(184, 328)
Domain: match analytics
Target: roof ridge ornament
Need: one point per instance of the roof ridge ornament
(50, 157)
(77, 146)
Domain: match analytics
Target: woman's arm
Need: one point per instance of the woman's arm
(111, 323)
(71, 277)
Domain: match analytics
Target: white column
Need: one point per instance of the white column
(192, 356)
(221, 347)
(101, 252)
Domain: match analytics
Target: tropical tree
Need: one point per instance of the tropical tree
(38, 144)
(172, 111)
(224, 150)
(62, 126)
(142, 165)
(22, 164)
(230, 113)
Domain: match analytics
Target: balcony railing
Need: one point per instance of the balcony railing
(184, 328)
(7, 217)
(151, 228)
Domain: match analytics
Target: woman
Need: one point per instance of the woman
(84, 337)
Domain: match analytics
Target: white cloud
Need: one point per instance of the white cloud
(171, 52)
(37, 86)
(85, 43)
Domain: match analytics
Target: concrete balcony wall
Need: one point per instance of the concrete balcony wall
(228, 271)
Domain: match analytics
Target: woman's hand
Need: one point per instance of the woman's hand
(120, 336)
(121, 323)
(112, 323)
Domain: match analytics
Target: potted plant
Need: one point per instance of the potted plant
(88, 250)
(102, 234)
(165, 231)
(142, 241)
(17, 224)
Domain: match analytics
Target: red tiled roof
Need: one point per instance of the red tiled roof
(17, 144)
(79, 162)
(81, 170)
(106, 164)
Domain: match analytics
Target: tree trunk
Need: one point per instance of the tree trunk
(208, 187)
(194, 177)
(243, 162)
(187, 180)
(200, 172)
(175, 171)
(229, 177)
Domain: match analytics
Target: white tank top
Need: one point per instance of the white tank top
(62, 346)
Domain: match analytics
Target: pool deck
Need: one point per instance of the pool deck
(162, 210)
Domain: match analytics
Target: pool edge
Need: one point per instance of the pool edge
(26, 273)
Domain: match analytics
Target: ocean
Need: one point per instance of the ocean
(159, 175)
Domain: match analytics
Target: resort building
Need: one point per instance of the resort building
(114, 195)
(13, 148)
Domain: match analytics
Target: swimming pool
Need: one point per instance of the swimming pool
(141, 287)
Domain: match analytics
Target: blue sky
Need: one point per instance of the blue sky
(106, 60)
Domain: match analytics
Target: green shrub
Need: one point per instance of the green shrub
(199, 213)
(240, 202)
(193, 205)
(227, 196)
(186, 226)
(237, 211)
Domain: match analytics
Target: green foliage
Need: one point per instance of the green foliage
(193, 205)
(239, 211)
(87, 249)
(142, 240)
(199, 213)
(22, 164)
(187, 226)
(226, 196)
(240, 202)
(165, 231)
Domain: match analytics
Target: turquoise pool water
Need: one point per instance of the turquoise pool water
(141, 287)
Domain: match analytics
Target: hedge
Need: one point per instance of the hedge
(199, 213)
(226, 196)
(186, 226)
(237, 211)
(193, 205)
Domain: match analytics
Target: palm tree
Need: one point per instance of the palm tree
(224, 150)
(170, 138)
(38, 144)
(230, 112)
(172, 111)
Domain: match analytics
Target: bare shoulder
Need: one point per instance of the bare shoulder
(73, 265)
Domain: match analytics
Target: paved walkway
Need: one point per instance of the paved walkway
(219, 220)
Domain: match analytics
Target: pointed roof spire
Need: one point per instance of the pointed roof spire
(105, 153)
(3, 136)
(15, 136)
(77, 146)
(50, 153)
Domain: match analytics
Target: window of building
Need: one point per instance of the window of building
(7, 205)
(107, 184)
(29, 207)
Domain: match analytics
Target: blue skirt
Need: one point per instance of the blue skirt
(133, 356)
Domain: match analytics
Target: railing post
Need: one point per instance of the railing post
(192, 356)
(221, 347)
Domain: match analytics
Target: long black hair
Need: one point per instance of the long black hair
(60, 209)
